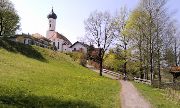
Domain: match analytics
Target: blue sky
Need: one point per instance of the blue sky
(71, 14)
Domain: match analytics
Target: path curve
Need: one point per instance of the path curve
(130, 97)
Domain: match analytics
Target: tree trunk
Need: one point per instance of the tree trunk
(125, 58)
(1, 25)
(159, 68)
(100, 61)
(125, 70)
(151, 48)
(175, 52)
(159, 56)
(141, 67)
(101, 67)
(140, 58)
(151, 64)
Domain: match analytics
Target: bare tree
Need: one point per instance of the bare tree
(100, 31)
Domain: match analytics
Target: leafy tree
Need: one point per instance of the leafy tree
(150, 30)
(120, 23)
(113, 61)
(9, 19)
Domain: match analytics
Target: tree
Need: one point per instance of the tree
(9, 19)
(120, 23)
(148, 28)
(135, 29)
(100, 31)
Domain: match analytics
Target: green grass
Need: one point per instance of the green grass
(157, 97)
(45, 78)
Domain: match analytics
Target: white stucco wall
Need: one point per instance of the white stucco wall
(78, 46)
(52, 24)
(66, 48)
(49, 34)
(60, 48)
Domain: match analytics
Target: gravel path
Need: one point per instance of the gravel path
(130, 98)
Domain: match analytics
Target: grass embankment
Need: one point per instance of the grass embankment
(159, 98)
(35, 77)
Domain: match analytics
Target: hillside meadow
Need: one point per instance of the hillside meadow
(35, 77)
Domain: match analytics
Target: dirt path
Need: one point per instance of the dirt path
(130, 98)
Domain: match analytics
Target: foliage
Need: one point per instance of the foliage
(157, 97)
(58, 82)
(151, 33)
(120, 23)
(90, 50)
(112, 62)
(79, 57)
(9, 19)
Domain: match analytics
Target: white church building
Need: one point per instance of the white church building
(61, 42)
(58, 40)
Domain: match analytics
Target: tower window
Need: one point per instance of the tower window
(50, 25)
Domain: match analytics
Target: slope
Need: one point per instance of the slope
(31, 76)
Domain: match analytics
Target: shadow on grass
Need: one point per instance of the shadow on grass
(21, 99)
(26, 50)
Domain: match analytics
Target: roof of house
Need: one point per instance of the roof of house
(40, 37)
(60, 36)
(82, 43)
(36, 37)
(175, 69)
(24, 35)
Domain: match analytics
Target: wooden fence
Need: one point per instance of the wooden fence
(114, 74)
(145, 81)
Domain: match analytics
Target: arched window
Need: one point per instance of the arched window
(58, 45)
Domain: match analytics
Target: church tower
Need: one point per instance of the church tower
(52, 23)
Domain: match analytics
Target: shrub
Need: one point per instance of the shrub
(79, 57)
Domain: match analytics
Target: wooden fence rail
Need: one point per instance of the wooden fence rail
(145, 81)
(115, 74)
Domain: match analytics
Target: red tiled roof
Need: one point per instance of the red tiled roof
(175, 69)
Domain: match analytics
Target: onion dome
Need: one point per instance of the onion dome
(52, 15)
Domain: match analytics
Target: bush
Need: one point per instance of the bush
(78, 57)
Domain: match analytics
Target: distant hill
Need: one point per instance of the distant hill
(35, 77)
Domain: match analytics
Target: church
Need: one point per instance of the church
(58, 40)
(54, 40)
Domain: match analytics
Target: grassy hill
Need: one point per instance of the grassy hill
(35, 77)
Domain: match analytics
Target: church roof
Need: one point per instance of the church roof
(63, 37)
(52, 15)
(60, 36)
